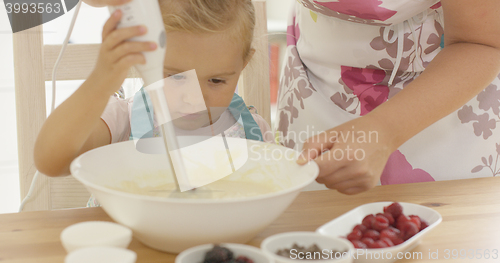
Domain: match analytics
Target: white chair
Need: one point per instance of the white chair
(33, 63)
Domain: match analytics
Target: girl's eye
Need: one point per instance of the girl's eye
(217, 81)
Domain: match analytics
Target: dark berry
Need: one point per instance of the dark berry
(395, 209)
(218, 254)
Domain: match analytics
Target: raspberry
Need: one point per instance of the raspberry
(389, 233)
(401, 220)
(243, 259)
(390, 218)
(361, 227)
(423, 224)
(358, 244)
(218, 254)
(387, 241)
(387, 229)
(367, 221)
(408, 229)
(397, 241)
(395, 209)
(395, 230)
(379, 244)
(356, 234)
(380, 223)
(373, 234)
(368, 241)
(415, 219)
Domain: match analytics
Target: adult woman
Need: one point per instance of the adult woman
(348, 59)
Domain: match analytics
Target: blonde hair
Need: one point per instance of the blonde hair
(236, 17)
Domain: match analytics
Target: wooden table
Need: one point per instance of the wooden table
(470, 210)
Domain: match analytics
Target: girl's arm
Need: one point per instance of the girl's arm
(75, 126)
(468, 63)
(72, 129)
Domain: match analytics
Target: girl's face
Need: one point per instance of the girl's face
(201, 71)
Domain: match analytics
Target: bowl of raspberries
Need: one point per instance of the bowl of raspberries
(222, 253)
(384, 231)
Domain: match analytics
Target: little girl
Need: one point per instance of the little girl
(211, 37)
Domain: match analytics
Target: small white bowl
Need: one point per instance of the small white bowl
(101, 255)
(342, 226)
(277, 242)
(197, 254)
(95, 233)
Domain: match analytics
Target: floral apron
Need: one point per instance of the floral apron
(346, 57)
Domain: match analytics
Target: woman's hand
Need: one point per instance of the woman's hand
(351, 156)
(117, 55)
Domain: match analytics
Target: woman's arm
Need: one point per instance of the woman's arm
(468, 64)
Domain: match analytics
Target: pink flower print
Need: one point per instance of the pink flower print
(399, 171)
(319, 8)
(489, 98)
(365, 9)
(292, 71)
(292, 33)
(283, 123)
(435, 39)
(379, 43)
(288, 143)
(363, 83)
(484, 126)
(436, 6)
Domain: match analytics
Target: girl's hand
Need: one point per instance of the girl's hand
(351, 156)
(117, 55)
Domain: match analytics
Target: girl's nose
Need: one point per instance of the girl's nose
(193, 96)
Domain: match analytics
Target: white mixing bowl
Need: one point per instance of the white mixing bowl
(172, 224)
